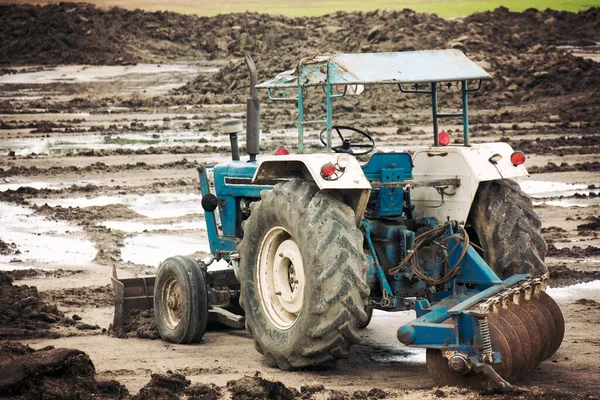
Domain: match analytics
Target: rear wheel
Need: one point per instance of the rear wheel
(507, 229)
(369, 311)
(180, 300)
(303, 276)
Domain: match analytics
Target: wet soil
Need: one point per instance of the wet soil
(51, 373)
(541, 100)
(23, 313)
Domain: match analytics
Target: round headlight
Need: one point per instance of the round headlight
(343, 161)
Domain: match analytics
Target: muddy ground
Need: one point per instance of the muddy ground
(98, 170)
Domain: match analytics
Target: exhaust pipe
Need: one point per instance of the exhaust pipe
(252, 113)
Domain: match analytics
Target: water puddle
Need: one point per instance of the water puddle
(577, 291)
(62, 144)
(152, 205)
(150, 249)
(40, 240)
(549, 193)
(87, 73)
(584, 202)
(43, 185)
(140, 226)
(545, 189)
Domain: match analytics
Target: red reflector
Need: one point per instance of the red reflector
(444, 138)
(328, 170)
(281, 151)
(517, 158)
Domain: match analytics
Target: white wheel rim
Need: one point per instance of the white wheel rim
(172, 302)
(281, 280)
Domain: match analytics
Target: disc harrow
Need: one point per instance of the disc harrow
(523, 324)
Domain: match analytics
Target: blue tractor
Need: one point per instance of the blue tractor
(317, 241)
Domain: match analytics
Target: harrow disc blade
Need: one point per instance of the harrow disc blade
(520, 340)
(442, 375)
(517, 361)
(550, 325)
(559, 321)
(540, 322)
(532, 332)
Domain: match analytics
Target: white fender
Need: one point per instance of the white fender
(471, 165)
(351, 181)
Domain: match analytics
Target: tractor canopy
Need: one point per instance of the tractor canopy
(420, 72)
(379, 68)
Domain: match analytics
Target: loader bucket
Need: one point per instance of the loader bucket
(131, 294)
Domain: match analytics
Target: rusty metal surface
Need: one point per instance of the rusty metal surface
(131, 294)
(369, 68)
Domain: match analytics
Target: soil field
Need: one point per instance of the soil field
(101, 134)
(315, 8)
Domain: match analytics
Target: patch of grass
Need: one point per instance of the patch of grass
(292, 8)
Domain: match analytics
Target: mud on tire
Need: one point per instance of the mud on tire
(330, 254)
(508, 229)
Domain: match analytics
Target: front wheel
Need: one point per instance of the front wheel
(303, 276)
(180, 300)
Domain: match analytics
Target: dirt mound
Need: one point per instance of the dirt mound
(588, 303)
(256, 387)
(23, 313)
(29, 273)
(588, 166)
(92, 296)
(517, 48)
(52, 373)
(591, 228)
(561, 275)
(88, 215)
(137, 324)
(8, 249)
(573, 252)
(587, 144)
(70, 33)
(163, 386)
(98, 166)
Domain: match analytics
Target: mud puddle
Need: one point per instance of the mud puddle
(151, 248)
(10, 185)
(577, 291)
(561, 194)
(159, 76)
(38, 241)
(546, 189)
(151, 205)
(58, 145)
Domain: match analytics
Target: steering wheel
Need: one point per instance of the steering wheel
(346, 146)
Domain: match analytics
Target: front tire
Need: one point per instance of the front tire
(507, 229)
(180, 300)
(303, 276)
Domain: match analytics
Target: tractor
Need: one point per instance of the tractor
(316, 242)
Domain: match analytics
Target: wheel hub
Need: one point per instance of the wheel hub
(280, 273)
(172, 294)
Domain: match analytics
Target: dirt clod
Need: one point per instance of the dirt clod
(201, 391)
(23, 313)
(163, 386)
(139, 324)
(52, 374)
(256, 387)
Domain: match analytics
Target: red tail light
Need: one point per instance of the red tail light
(444, 138)
(281, 151)
(517, 158)
(328, 170)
